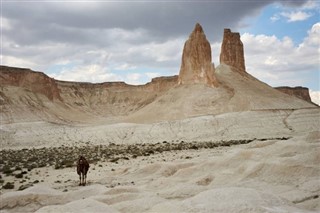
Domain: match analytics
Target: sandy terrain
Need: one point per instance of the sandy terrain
(277, 171)
(262, 176)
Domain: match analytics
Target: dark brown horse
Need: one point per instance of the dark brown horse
(82, 169)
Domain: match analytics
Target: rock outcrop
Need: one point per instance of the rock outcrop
(299, 92)
(196, 63)
(232, 51)
(26, 94)
(36, 82)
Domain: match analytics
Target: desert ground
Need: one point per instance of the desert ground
(239, 170)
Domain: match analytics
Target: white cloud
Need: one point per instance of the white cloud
(91, 73)
(311, 4)
(315, 96)
(125, 66)
(152, 74)
(17, 62)
(278, 61)
(5, 23)
(296, 16)
(133, 78)
(275, 17)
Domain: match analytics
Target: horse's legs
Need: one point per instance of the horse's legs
(83, 183)
(85, 179)
(80, 180)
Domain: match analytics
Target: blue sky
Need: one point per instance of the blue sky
(134, 41)
(271, 21)
(295, 23)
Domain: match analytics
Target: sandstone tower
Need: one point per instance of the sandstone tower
(232, 51)
(196, 63)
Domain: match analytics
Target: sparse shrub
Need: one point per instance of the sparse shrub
(42, 164)
(30, 167)
(20, 175)
(33, 159)
(194, 147)
(8, 185)
(23, 187)
(114, 160)
(67, 163)
(57, 166)
(7, 170)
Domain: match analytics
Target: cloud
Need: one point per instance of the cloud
(311, 5)
(133, 78)
(296, 16)
(278, 61)
(152, 74)
(291, 13)
(92, 73)
(136, 21)
(274, 18)
(17, 62)
(98, 40)
(315, 96)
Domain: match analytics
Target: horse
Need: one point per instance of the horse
(82, 169)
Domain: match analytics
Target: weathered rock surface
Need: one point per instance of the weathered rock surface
(196, 63)
(299, 92)
(30, 95)
(36, 82)
(232, 53)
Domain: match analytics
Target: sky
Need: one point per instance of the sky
(135, 41)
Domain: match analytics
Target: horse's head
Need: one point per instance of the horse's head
(81, 159)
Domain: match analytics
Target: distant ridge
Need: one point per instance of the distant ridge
(200, 89)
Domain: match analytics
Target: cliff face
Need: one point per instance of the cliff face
(35, 82)
(299, 92)
(34, 95)
(113, 98)
(232, 53)
(196, 63)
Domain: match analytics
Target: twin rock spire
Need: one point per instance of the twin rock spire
(196, 63)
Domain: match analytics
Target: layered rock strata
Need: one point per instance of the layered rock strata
(196, 64)
(36, 82)
(232, 53)
(299, 92)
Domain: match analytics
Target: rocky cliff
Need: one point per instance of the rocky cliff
(36, 82)
(196, 63)
(30, 95)
(299, 92)
(232, 53)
